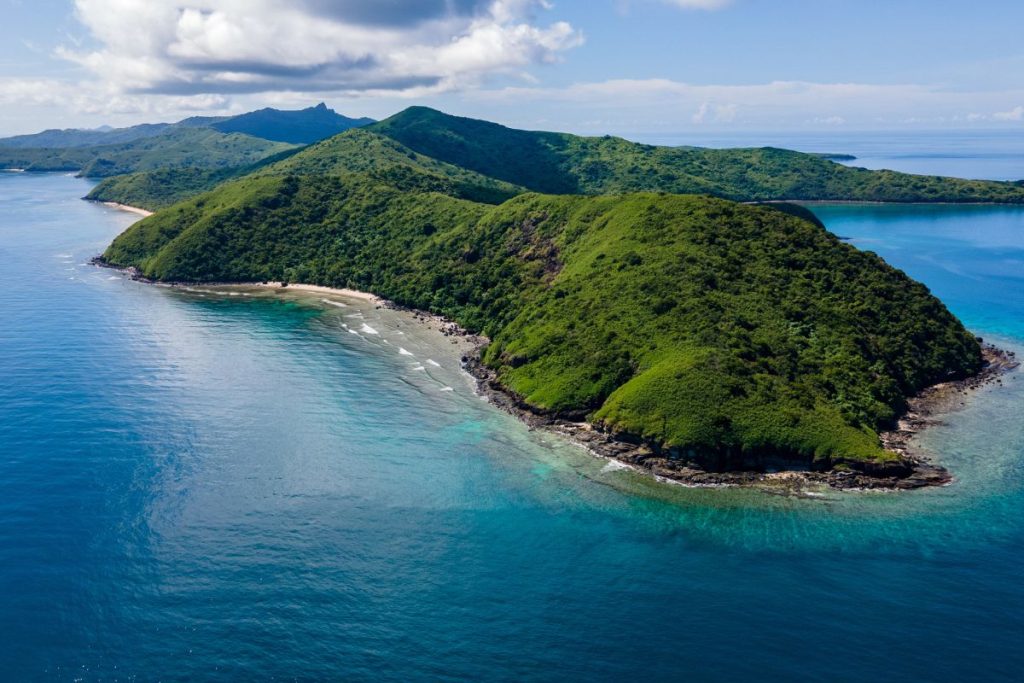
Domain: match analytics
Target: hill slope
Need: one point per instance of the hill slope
(355, 151)
(77, 137)
(515, 161)
(568, 164)
(303, 126)
(198, 147)
(195, 143)
(719, 332)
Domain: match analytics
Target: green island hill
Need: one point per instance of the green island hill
(177, 148)
(715, 332)
(509, 161)
(211, 148)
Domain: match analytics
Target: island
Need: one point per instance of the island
(702, 337)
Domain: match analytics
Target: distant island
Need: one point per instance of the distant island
(688, 333)
(200, 142)
(836, 157)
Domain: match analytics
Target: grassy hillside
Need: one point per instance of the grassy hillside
(722, 332)
(491, 163)
(178, 148)
(568, 164)
(355, 151)
(155, 190)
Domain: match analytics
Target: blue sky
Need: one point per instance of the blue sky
(615, 66)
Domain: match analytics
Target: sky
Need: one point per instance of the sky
(625, 67)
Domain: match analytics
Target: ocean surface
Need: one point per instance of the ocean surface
(983, 154)
(251, 485)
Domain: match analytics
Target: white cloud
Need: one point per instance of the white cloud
(1015, 114)
(828, 120)
(185, 47)
(93, 98)
(700, 4)
(30, 91)
(714, 113)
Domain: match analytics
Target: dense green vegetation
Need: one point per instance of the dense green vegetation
(358, 150)
(188, 147)
(154, 190)
(715, 330)
(723, 331)
(479, 155)
(568, 164)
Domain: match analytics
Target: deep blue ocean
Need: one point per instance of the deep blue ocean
(251, 485)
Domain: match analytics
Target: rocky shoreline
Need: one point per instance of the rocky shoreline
(912, 470)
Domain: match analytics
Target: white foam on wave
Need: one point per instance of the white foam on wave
(113, 277)
(63, 256)
(352, 331)
(615, 466)
(447, 389)
(403, 352)
(355, 315)
(368, 330)
(334, 303)
(433, 362)
(419, 368)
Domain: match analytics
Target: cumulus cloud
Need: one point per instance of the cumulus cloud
(189, 47)
(98, 98)
(30, 91)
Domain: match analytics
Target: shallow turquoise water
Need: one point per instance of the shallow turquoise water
(198, 485)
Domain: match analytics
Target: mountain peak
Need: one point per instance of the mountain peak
(301, 126)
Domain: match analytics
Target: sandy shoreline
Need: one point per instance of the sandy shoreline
(130, 209)
(914, 470)
(316, 289)
(269, 285)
